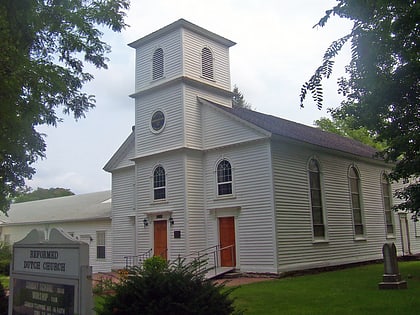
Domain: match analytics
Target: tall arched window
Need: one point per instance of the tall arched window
(207, 63)
(356, 201)
(316, 199)
(224, 178)
(159, 183)
(386, 197)
(157, 64)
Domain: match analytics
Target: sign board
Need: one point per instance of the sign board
(50, 276)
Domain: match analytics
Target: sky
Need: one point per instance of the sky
(277, 50)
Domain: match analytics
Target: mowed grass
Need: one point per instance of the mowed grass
(349, 291)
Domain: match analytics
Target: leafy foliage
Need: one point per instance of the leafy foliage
(383, 85)
(43, 47)
(4, 301)
(238, 99)
(5, 258)
(343, 127)
(42, 193)
(159, 287)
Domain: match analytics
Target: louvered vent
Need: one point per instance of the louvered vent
(157, 64)
(207, 63)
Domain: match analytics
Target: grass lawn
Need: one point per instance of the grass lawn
(350, 291)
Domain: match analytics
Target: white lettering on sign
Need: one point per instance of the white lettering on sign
(47, 261)
(45, 254)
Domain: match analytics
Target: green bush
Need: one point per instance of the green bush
(5, 267)
(175, 288)
(4, 301)
(5, 258)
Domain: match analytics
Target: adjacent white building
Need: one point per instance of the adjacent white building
(266, 194)
(86, 217)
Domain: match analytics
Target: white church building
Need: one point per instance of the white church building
(261, 193)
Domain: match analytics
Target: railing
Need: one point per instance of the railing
(209, 258)
(137, 259)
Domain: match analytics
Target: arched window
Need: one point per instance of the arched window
(159, 183)
(207, 63)
(157, 67)
(224, 178)
(356, 201)
(316, 199)
(386, 197)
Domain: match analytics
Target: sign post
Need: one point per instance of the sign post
(50, 276)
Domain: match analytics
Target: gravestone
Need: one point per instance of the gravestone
(391, 278)
(50, 276)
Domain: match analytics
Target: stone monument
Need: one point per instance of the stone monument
(391, 278)
(50, 276)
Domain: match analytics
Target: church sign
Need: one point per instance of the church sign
(50, 276)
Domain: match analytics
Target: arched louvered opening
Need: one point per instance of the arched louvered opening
(207, 63)
(157, 68)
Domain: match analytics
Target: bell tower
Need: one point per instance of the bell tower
(175, 65)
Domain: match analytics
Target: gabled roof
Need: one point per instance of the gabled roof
(181, 23)
(292, 130)
(120, 153)
(70, 208)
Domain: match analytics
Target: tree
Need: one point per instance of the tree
(238, 99)
(382, 84)
(158, 287)
(42, 193)
(43, 47)
(343, 127)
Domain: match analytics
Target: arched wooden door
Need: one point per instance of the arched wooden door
(160, 236)
(227, 241)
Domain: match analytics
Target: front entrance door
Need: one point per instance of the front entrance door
(160, 239)
(227, 241)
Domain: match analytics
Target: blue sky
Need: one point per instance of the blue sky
(277, 50)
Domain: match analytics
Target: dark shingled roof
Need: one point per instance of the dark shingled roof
(296, 131)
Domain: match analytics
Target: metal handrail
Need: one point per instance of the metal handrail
(211, 252)
(137, 259)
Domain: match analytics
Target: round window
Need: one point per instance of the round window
(158, 120)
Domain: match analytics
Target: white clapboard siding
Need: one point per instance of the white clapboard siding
(197, 117)
(193, 45)
(171, 45)
(252, 204)
(414, 230)
(221, 130)
(294, 226)
(194, 196)
(123, 213)
(174, 204)
(170, 102)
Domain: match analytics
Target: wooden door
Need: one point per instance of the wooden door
(227, 241)
(160, 239)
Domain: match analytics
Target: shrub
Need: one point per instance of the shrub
(4, 301)
(5, 258)
(175, 288)
(104, 285)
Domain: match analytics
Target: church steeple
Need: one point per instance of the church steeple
(183, 50)
(175, 65)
